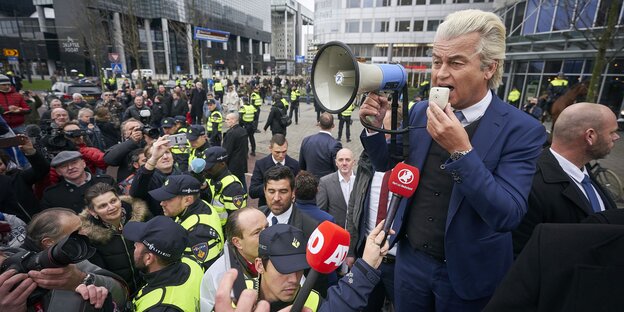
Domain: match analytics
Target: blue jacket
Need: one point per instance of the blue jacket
(353, 290)
(489, 195)
(318, 154)
(310, 207)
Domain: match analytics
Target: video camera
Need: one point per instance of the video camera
(71, 249)
(148, 130)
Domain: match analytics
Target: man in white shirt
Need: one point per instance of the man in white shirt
(563, 190)
(335, 188)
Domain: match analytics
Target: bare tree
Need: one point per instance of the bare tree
(132, 41)
(599, 34)
(91, 24)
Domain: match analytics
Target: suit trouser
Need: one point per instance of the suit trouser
(383, 290)
(421, 283)
(249, 127)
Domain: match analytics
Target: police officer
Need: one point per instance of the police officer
(225, 190)
(248, 112)
(514, 96)
(172, 280)
(198, 140)
(294, 103)
(179, 199)
(345, 118)
(256, 100)
(556, 88)
(218, 90)
(214, 123)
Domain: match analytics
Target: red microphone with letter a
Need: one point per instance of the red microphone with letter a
(327, 249)
(402, 183)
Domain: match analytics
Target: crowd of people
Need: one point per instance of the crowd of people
(174, 229)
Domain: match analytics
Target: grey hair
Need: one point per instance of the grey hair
(83, 111)
(77, 95)
(234, 115)
(47, 224)
(491, 30)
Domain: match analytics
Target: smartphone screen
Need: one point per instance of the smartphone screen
(439, 95)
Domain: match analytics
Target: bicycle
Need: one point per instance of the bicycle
(609, 180)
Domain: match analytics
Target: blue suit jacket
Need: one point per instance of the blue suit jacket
(318, 154)
(489, 196)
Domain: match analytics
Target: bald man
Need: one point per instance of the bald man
(564, 190)
(334, 189)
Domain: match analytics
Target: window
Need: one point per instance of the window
(421, 2)
(436, 1)
(461, 1)
(367, 26)
(405, 2)
(382, 26)
(353, 3)
(418, 26)
(383, 3)
(402, 26)
(352, 26)
(367, 3)
(432, 25)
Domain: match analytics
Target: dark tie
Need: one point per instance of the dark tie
(279, 164)
(274, 220)
(459, 115)
(382, 208)
(591, 194)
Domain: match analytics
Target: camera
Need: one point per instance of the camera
(74, 133)
(148, 130)
(71, 249)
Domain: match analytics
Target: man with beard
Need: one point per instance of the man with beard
(335, 188)
(179, 198)
(158, 252)
(564, 190)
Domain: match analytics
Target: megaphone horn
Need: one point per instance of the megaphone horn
(337, 77)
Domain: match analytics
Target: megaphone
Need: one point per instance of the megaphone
(337, 77)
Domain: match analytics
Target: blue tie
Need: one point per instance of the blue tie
(591, 194)
(460, 116)
(274, 220)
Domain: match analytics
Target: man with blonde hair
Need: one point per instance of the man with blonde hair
(476, 157)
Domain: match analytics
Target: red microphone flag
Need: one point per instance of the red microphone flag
(327, 247)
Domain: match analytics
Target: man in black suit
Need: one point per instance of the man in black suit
(583, 132)
(318, 152)
(566, 267)
(279, 148)
(235, 143)
(279, 184)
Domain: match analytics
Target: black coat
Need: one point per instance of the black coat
(554, 198)
(235, 143)
(179, 108)
(566, 267)
(112, 251)
(198, 97)
(274, 120)
(256, 186)
(22, 186)
(147, 180)
(119, 155)
(67, 195)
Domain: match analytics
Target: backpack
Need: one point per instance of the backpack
(285, 120)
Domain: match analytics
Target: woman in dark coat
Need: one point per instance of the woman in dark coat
(103, 220)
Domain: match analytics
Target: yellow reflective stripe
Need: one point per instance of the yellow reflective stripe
(184, 297)
(313, 301)
(211, 220)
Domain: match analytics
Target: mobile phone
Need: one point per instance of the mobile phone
(177, 139)
(439, 95)
(13, 141)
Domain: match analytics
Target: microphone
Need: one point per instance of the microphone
(402, 183)
(326, 251)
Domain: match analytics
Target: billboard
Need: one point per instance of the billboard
(201, 33)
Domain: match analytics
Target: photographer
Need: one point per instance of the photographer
(86, 121)
(138, 111)
(22, 180)
(88, 280)
(119, 154)
(93, 157)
